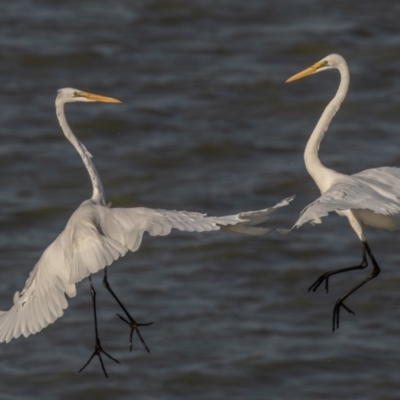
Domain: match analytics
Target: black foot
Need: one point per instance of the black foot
(97, 352)
(325, 277)
(319, 281)
(336, 311)
(135, 327)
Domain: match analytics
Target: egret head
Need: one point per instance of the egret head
(329, 62)
(68, 95)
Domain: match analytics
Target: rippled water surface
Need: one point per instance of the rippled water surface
(207, 124)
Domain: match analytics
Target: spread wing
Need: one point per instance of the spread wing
(376, 189)
(42, 300)
(94, 237)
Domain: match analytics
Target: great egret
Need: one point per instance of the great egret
(370, 197)
(94, 237)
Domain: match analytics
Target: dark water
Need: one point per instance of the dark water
(207, 124)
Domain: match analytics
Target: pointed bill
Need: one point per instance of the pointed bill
(306, 72)
(96, 97)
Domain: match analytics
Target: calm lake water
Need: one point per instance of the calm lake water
(207, 124)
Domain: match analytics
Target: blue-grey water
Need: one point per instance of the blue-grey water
(207, 124)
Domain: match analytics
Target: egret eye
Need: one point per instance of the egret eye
(324, 63)
(75, 94)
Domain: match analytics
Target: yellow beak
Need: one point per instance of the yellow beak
(306, 72)
(96, 97)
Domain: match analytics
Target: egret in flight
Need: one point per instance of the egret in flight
(370, 197)
(94, 237)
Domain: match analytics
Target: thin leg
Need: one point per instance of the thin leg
(339, 302)
(325, 277)
(97, 349)
(131, 323)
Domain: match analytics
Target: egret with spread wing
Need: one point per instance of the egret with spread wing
(370, 197)
(94, 237)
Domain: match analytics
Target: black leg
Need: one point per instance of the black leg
(339, 302)
(131, 322)
(97, 349)
(325, 277)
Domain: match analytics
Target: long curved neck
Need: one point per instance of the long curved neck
(313, 164)
(98, 190)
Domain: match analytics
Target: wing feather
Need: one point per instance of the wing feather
(42, 300)
(127, 225)
(94, 237)
(377, 190)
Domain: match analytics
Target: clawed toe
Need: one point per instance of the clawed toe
(318, 282)
(97, 352)
(336, 312)
(135, 327)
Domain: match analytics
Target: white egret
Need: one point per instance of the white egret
(370, 197)
(94, 237)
